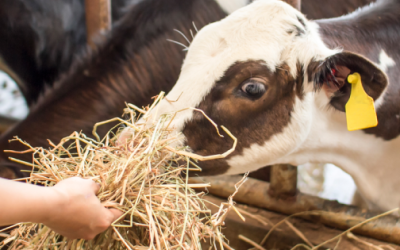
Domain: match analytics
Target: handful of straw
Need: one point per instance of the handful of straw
(142, 178)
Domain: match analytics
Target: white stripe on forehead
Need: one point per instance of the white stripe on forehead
(259, 31)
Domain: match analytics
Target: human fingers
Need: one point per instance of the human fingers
(116, 213)
(124, 136)
(95, 186)
(104, 221)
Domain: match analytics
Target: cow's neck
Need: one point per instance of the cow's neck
(373, 162)
(374, 32)
(370, 156)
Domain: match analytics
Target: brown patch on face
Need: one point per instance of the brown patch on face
(251, 120)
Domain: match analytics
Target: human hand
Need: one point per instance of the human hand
(76, 212)
(124, 137)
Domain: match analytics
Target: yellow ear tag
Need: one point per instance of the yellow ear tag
(360, 109)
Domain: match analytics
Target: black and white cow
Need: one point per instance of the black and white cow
(40, 39)
(277, 81)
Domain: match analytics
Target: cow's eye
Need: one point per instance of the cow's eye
(253, 88)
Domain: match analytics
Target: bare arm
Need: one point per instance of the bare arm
(70, 208)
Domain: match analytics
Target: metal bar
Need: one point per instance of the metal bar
(332, 213)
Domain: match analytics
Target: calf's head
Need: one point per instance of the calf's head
(261, 72)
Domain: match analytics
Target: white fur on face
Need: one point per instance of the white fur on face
(259, 31)
(385, 61)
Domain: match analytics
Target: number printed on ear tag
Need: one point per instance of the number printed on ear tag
(360, 109)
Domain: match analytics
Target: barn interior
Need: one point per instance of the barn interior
(311, 206)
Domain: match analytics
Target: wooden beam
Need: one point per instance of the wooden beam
(259, 222)
(331, 213)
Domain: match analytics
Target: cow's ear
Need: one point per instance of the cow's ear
(330, 76)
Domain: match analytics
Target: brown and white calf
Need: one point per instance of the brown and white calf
(277, 81)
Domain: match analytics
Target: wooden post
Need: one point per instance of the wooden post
(98, 18)
(283, 181)
(295, 3)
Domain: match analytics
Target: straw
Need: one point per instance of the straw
(142, 178)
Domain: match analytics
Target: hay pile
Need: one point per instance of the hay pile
(142, 178)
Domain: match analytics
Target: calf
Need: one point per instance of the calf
(278, 82)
